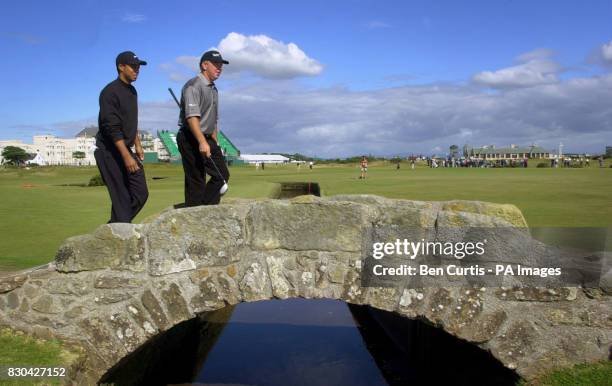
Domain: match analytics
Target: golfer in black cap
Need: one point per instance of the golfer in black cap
(197, 137)
(119, 167)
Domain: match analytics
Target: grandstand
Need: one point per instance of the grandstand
(168, 138)
(231, 152)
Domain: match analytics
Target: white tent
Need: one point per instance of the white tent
(265, 158)
(38, 159)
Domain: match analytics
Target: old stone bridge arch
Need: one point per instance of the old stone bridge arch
(113, 290)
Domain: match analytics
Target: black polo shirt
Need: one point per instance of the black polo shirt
(118, 118)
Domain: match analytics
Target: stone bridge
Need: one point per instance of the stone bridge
(111, 291)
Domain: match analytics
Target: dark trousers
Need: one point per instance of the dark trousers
(196, 166)
(128, 191)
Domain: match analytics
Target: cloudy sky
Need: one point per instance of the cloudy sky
(325, 78)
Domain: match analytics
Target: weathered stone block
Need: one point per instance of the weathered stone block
(137, 312)
(199, 274)
(322, 225)
(336, 272)
(125, 332)
(353, 291)
(25, 306)
(531, 294)
(183, 239)
(508, 212)
(467, 308)
(411, 301)
(12, 300)
(75, 312)
(116, 246)
(175, 303)
(281, 287)
(68, 286)
(228, 288)
(439, 302)
(11, 282)
(151, 304)
(255, 284)
(102, 340)
(483, 328)
(595, 315)
(107, 281)
(382, 298)
(31, 291)
(209, 297)
(111, 297)
(516, 344)
(47, 305)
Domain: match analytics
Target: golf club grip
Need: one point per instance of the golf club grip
(174, 97)
(217, 169)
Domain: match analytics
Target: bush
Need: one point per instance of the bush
(96, 181)
(543, 165)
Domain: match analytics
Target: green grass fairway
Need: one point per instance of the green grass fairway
(38, 213)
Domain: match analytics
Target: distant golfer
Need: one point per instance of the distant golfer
(197, 137)
(121, 170)
(364, 167)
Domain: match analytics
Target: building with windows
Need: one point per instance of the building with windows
(49, 150)
(508, 153)
(78, 151)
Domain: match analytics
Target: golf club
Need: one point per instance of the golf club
(225, 187)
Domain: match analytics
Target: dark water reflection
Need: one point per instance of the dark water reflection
(307, 342)
(291, 342)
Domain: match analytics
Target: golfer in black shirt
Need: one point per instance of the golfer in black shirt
(121, 169)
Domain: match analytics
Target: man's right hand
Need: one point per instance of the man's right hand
(130, 164)
(205, 149)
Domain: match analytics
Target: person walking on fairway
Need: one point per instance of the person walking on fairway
(197, 137)
(364, 167)
(120, 168)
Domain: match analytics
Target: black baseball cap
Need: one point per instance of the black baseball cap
(213, 56)
(128, 57)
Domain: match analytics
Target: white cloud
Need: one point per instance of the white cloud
(261, 56)
(133, 18)
(606, 52)
(285, 117)
(267, 57)
(535, 68)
